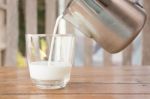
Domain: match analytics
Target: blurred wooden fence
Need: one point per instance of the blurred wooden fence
(9, 32)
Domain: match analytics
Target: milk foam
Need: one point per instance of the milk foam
(56, 71)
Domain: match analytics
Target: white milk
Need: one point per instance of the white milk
(57, 71)
(54, 33)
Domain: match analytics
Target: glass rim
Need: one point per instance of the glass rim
(51, 35)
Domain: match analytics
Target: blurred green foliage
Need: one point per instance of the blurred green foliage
(21, 60)
(21, 42)
(41, 24)
(41, 16)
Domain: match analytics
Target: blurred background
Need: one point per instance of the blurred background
(18, 17)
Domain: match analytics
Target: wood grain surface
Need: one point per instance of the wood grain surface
(118, 82)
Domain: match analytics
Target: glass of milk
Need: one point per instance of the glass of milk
(50, 59)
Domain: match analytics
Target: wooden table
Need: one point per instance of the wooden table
(86, 83)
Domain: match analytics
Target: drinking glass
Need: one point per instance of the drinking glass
(50, 59)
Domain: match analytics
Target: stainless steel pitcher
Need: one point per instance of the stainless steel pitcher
(113, 24)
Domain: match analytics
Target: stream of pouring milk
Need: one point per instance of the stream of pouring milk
(48, 70)
(53, 38)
